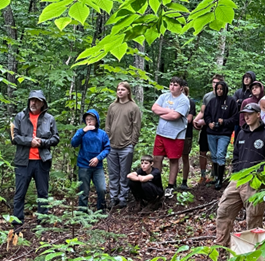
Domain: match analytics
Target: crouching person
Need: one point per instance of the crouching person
(94, 147)
(146, 184)
(249, 150)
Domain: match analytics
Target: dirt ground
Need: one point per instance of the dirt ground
(148, 234)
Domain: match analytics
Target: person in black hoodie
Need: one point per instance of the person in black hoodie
(220, 116)
(249, 150)
(244, 93)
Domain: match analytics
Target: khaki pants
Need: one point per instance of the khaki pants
(230, 204)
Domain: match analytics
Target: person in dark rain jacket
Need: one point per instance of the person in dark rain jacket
(94, 147)
(220, 116)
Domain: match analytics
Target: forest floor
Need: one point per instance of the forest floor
(148, 234)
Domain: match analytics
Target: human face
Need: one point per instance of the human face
(251, 118)
(247, 80)
(122, 93)
(90, 120)
(219, 90)
(35, 105)
(146, 166)
(175, 89)
(214, 83)
(255, 89)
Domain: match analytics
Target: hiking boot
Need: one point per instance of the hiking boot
(221, 170)
(169, 192)
(113, 203)
(184, 187)
(122, 204)
(202, 180)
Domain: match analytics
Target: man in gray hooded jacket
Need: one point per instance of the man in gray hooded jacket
(34, 132)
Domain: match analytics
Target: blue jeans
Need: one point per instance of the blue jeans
(218, 147)
(98, 178)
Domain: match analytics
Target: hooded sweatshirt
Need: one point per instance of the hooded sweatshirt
(244, 93)
(224, 107)
(93, 143)
(23, 132)
(249, 148)
(250, 100)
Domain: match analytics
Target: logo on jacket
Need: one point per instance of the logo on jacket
(258, 144)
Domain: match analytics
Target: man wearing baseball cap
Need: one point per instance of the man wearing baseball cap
(249, 150)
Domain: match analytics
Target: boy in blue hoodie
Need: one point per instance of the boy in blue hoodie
(94, 147)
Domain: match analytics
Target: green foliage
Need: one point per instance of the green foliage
(4, 3)
(184, 198)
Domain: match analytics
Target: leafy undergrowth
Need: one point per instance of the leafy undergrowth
(148, 234)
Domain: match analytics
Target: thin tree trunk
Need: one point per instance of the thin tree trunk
(159, 57)
(221, 48)
(12, 51)
(138, 90)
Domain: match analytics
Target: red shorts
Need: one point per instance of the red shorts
(168, 147)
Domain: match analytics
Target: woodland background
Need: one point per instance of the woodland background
(35, 53)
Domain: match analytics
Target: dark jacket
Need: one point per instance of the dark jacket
(250, 100)
(93, 143)
(244, 93)
(23, 132)
(224, 107)
(249, 148)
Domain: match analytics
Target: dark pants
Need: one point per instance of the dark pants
(145, 190)
(40, 172)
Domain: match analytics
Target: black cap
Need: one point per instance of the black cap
(251, 107)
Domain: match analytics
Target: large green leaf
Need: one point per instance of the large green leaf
(79, 12)
(52, 11)
(4, 3)
(135, 32)
(227, 3)
(154, 4)
(105, 5)
(200, 22)
(116, 40)
(244, 180)
(62, 22)
(123, 23)
(91, 4)
(178, 7)
(119, 51)
(139, 39)
(217, 25)
(173, 25)
(151, 34)
(255, 183)
(224, 14)
(138, 4)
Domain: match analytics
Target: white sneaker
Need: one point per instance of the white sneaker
(169, 192)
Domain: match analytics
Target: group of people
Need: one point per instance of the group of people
(35, 131)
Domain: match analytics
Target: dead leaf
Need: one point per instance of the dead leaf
(10, 235)
(15, 239)
(20, 234)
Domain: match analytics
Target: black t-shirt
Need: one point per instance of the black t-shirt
(157, 176)
(192, 111)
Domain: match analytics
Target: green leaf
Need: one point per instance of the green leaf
(115, 41)
(154, 4)
(217, 25)
(123, 23)
(62, 22)
(255, 183)
(178, 7)
(91, 4)
(4, 3)
(224, 14)
(243, 181)
(139, 39)
(119, 51)
(105, 5)
(165, 2)
(135, 32)
(21, 79)
(151, 34)
(51, 256)
(79, 12)
(200, 22)
(138, 4)
(52, 11)
(146, 19)
(173, 25)
(227, 3)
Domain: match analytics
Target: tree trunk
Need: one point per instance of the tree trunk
(159, 57)
(12, 51)
(138, 91)
(221, 48)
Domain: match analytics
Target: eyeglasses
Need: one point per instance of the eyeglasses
(249, 107)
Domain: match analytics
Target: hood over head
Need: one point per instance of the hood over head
(38, 94)
(261, 89)
(253, 78)
(94, 113)
(225, 90)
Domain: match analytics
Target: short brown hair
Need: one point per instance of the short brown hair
(147, 158)
(218, 77)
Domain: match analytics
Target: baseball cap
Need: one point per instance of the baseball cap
(33, 97)
(251, 107)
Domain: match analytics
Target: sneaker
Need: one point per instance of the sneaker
(184, 187)
(202, 180)
(122, 204)
(169, 192)
(113, 203)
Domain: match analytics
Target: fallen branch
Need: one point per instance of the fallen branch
(185, 240)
